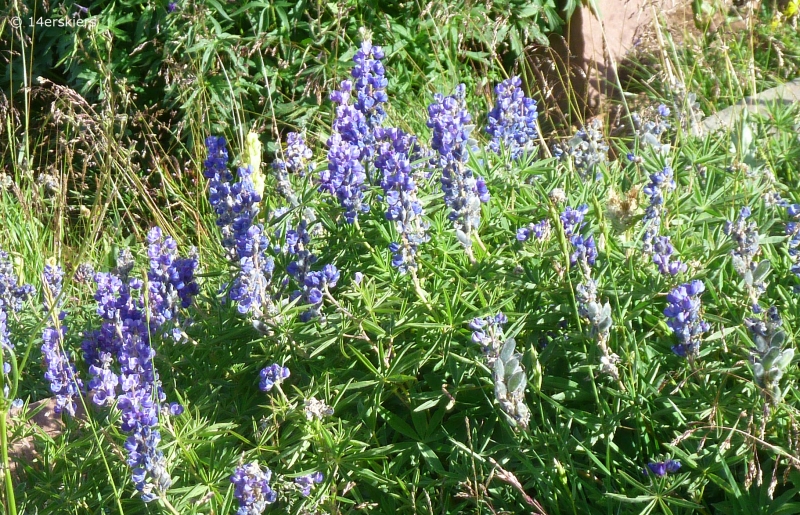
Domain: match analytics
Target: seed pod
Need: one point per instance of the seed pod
(509, 385)
(507, 351)
(758, 372)
(777, 339)
(463, 238)
(517, 382)
(761, 271)
(786, 359)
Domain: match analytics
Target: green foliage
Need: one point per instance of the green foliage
(195, 60)
(414, 406)
(421, 421)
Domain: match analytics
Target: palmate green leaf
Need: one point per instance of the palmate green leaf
(364, 361)
(428, 404)
(431, 459)
(398, 424)
(682, 503)
(219, 9)
(721, 334)
(639, 499)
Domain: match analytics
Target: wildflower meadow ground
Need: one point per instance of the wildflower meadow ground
(437, 307)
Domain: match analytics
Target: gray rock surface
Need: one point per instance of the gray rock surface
(786, 94)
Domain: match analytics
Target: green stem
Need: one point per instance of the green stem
(10, 501)
(420, 292)
(168, 505)
(12, 394)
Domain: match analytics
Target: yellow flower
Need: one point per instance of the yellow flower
(252, 158)
(776, 21)
(792, 9)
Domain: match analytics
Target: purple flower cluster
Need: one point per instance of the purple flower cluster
(294, 158)
(684, 318)
(237, 207)
(125, 332)
(393, 160)
(584, 248)
(251, 289)
(488, 333)
(650, 131)
(272, 375)
(148, 464)
(463, 192)
(251, 488)
(660, 247)
(236, 204)
(60, 373)
(793, 231)
(662, 468)
(345, 175)
(540, 230)
(306, 482)
(572, 219)
(369, 83)
(662, 252)
(99, 350)
(12, 296)
(745, 235)
(83, 273)
(512, 121)
(220, 193)
(352, 143)
(773, 199)
(587, 149)
(171, 282)
(312, 283)
(660, 183)
(451, 124)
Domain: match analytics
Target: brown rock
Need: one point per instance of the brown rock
(600, 40)
(23, 430)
